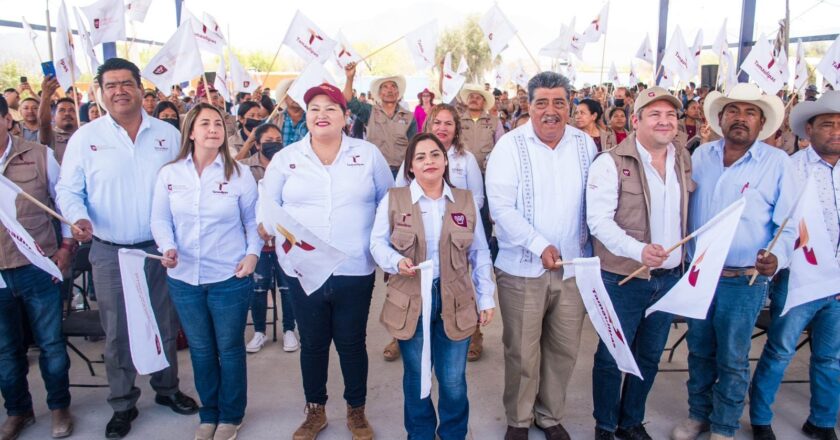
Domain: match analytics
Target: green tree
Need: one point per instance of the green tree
(467, 39)
(10, 73)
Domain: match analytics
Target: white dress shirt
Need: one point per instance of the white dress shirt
(558, 197)
(208, 219)
(664, 216)
(108, 179)
(336, 202)
(464, 173)
(53, 170)
(432, 212)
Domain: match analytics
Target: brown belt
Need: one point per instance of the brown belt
(735, 273)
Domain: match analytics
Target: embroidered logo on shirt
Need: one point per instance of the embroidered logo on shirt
(745, 187)
(292, 166)
(355, 161)
(406, 218)
(626, 172)
(160, 146)
(459, 219)
(94, 148)
(100, 147)
(172, 187)
(221, 189)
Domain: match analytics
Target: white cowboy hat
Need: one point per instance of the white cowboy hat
(282, 89)
(399, 80)
(489, 99)
(829, 102)
(770, 105)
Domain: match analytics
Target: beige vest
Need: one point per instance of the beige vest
(402, 306)
(253, 163)
(230, 124)
(59, 144)
(479, 137)
(26, 166)
(633, 211)
(390, 134)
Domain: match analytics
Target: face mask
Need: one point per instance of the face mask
(174, 121)
(619, 102)
(251, 124)
(269, 149)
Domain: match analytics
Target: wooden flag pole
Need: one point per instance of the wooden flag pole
(770, 248)
(156, 257)
(50, 211)
(271, 66)
(49, 31)
(528, 51)
(603, 58)
(246, 147)
(75, 92)
(380, 50)
(667, 251)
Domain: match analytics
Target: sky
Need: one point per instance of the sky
(261, 25)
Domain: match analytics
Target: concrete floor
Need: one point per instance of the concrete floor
(275, 394)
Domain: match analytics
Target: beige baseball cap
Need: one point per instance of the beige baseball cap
(653, 94)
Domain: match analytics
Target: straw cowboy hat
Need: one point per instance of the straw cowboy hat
(282, 89)
(828, 103)
(489, 99)
(770, 105)
(399, 80)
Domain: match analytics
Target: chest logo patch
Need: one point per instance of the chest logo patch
(460, 219)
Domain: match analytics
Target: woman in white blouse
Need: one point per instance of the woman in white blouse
(203, 221)
(331, 183)
(432, 220)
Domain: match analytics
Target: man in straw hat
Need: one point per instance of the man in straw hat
(648, 174)
(479, 129)
(819, 122)
(739, 165)
(389, 125)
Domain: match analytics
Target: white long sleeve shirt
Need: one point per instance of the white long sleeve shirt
(337, 202)
(464, 173)
(664, 217)
(108, 179)
(432, 212)
(208, 219)
(558, 197)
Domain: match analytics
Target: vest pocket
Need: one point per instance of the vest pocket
(395, 309)
(461, 242)
(405, 243)
(466, 314)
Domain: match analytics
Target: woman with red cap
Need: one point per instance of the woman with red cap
(332, 183)
(427, 101)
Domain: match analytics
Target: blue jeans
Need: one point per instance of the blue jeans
(617, 405)
(718, 353)
(33, 289)
(449, 360)
(336, 312)
(213, 318)
(266, 276)
(823, 315)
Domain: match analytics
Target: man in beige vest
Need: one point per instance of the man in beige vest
(55, 135)
(32, 167)
(389, 125)
(479, 130)
(636, 206)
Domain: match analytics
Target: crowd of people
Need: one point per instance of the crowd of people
(499, 192)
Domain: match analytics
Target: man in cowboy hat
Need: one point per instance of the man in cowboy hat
(389, 125)
(738, 165)
(818, 121)
(479, 130)
(292, 118)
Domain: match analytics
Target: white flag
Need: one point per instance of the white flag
(720, 45)
(600, 310)
(453, 79)
(814, 272)
(64, 54)
(782, 64)
(242, 80)
(221, 81)
(598, 26)
(87, 44)
(696, 49)
(28, 30)
(520, 77)
(498, 30)
(731, 78)
(147, 351)
(27, 246)
(614, 74)
(307, 40)
(801, 70)
(830, 65)
(178, 60)
(760, 64)
(678, 57)
(645, 53)
(314, 74)
(634, 77)
(344, 53)
(501, 76)
(576, 45)
(206, 31)
(559, 47)
(106, 21)
(137, 9)
(571, 73)
(667, 80)
(299, 251)
(693, 293)
(422, 43)
(427, 275)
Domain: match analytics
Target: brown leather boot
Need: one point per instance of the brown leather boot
(62, 423)
(358, 424)
(316, 421)
(476, 345)
(13, 426)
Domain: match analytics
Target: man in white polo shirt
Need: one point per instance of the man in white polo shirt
(106, 185)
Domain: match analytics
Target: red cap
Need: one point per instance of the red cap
(330, 91)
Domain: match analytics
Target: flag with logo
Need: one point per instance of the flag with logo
(693, 293)
(314, 74)
(144, 340)
(645, 53)
(64, 50)
(559, 47)
(634, 77)
(520, 76)
(27, 246)
(242, 80)
(422, 43)
(814, 270)
(87, 44)
(344, 53)
(763, 66)
(600, 310)
(731, 78)
(667, 80)
(28, 30)
(206, 31)
(830, 65)
(453, 79)
(308, 40)
(720, 45)
(571, 72)
(696, 49)
(501, 76)
(178, 60)
(598, 26)
(614, 74)
(576, 45)
(106, 21)
(137, 9)
(801, 70)
(498, 30)
(221, 81)
(678, 57)
(299, 251)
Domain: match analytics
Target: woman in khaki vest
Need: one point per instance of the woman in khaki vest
(432, 220)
